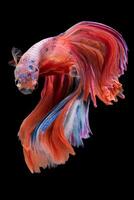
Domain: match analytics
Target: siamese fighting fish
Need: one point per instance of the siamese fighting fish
(77, 66)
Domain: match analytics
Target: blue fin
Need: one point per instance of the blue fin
(49, 118)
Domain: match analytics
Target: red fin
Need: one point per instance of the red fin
(101, 54)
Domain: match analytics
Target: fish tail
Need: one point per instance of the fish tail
(52, 140)
(101, 55)
(44, 133)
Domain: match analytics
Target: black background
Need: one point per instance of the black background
(104, 157)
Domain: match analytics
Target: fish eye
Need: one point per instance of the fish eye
(31, 67)
(16, 82)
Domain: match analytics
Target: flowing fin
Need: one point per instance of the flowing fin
(76, 123)
(51, 116)
(101, 55)
(16, 53)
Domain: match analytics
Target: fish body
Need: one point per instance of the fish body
(78, 65)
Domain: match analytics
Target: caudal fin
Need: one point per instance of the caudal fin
(101, 55)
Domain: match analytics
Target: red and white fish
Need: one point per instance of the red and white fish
(78, 65)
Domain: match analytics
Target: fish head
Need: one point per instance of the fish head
(26, 76)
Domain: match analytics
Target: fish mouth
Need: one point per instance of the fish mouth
(26, 91)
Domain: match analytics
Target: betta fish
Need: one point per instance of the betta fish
(77, 66)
